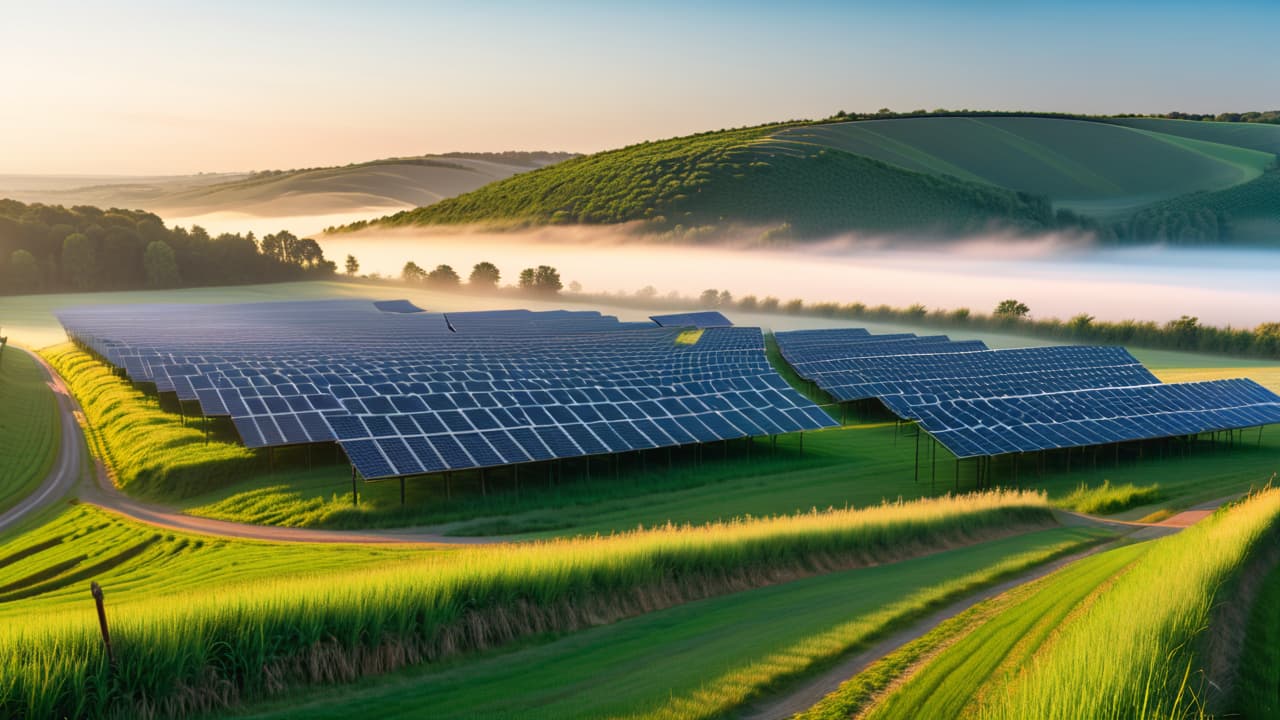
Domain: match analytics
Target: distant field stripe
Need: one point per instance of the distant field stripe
(1250, 163)
(1051, 158)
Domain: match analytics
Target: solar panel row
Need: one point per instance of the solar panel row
(406, 394)
(981, 402)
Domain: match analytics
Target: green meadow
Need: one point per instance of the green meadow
(29, 426)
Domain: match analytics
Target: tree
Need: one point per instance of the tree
(353, 265)
(484, 275)
(709, 298)
(78, 261)
(575, 287)
(542, 279)
(23, 272)
(648, 292)
(1185, 330)
(443, 276)
(769, 304)
(748, 303)
(412, 273)
(161, 265)
(1080, 324)
(1012, 310)
(725, 300)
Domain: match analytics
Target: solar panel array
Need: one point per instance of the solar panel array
(982, 402)
(705, 319)
(413, 393)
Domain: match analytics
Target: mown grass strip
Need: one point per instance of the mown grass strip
(29, 428)
(1138, 650)
(188, 652)
(1258, 686)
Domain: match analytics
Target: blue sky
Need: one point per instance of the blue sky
(142, 87)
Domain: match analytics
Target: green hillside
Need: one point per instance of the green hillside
(1255, 136)
(1090, 167)
(747, 177)
(921, 176)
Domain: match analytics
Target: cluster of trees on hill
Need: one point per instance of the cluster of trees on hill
(1253, 116)
(485, 276)
(48, 248)
(1186, 333)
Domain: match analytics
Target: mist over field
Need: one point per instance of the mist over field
(1056, 275)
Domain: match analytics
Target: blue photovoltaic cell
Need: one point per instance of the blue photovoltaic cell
(982, 402)
(706, 319)
(533, 385)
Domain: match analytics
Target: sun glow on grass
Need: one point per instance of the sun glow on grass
(199, 649)
(1140, 650)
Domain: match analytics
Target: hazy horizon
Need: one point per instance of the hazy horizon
(239, 87)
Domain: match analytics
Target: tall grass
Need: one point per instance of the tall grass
(1140, 650)
(1107, 498)
(196, 651)
(149, 451)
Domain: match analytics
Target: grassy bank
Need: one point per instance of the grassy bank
(189, 651)
(29, 429)
(149, 452)
(1148, 646)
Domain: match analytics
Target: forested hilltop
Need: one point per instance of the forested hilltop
(46, 248)
(1123, 179)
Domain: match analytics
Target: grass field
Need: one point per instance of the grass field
(1138, 631)
(271, 633)
(1255, 136)
(49, 567)
(704, 659)
(1162, 640)
(1087, 166)
(29, 428)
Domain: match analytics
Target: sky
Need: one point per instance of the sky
(139, 87)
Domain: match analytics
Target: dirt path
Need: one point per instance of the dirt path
(66, 466)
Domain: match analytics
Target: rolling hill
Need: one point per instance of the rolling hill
(1093, 168)
(378, 185)
(917, 175)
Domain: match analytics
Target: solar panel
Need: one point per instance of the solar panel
(704, 319)
(405, 393)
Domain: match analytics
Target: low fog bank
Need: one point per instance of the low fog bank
(1056, 275)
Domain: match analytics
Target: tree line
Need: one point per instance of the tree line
(51, 248)
(1186, 333)
(542, 279)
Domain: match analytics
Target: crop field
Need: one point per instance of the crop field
(29, 429)
(1077, 164)
(731, 650)
(253, 638)
(1032, 651)
(1255, 136)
